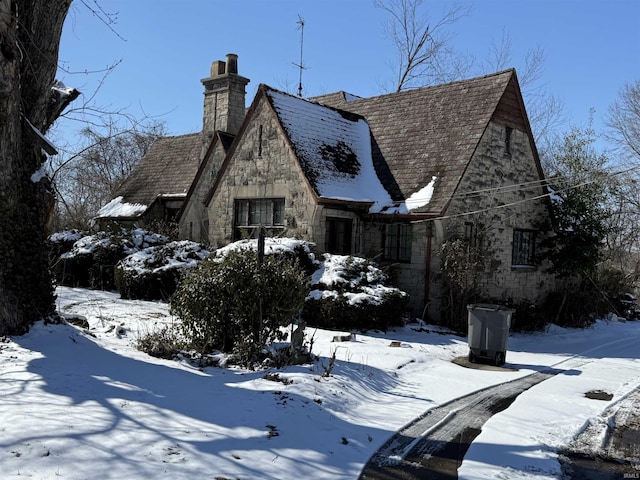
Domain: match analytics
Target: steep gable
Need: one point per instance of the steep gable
(333, 148)
(192, 215)
(211, 164)
(428, 132)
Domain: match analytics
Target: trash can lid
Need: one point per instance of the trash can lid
(488, 306)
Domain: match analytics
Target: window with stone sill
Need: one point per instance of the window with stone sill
(523, 248)
(473, 238)
(472, 234)
(250, 214)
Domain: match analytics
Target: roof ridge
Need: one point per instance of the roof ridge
(342, 111)
(511, 70)
(180, 136)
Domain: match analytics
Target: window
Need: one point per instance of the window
(507, 140)
(473, 238)
(397, 242)
(524, 248)
(250, 214)
(339, 233)
(260, 141)
(471, 235)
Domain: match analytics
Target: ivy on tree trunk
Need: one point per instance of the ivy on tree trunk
(30, 33)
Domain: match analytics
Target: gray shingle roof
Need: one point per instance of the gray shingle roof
(168, 168)
(426, 132)
(415, 135)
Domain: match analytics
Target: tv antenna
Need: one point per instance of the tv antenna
(300, 65)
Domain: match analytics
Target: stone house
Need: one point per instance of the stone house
(391, 178)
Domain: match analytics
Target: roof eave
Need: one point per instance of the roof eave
(358, 204)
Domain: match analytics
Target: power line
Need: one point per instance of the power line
(548, 181)
(518, 202)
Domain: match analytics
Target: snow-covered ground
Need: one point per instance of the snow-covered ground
(78, 404)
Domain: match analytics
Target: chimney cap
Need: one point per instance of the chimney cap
(232, 63)
(218, 67)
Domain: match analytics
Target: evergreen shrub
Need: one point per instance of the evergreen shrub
(91, 261)
(153, 273)
(220, 300)
(62, 242)
(353, 293)
(163, 343)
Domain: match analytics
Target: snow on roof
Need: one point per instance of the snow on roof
(422, 197)
(334, 150)
(172, 195)
(118, 208)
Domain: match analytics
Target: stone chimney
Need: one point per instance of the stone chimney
(224, 97)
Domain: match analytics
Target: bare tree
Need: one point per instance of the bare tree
(545, 110)
(88, 179)
(30, 33)
(425, 53)
(425, 56)
(623, 240)
(624, 133)
(624, 119)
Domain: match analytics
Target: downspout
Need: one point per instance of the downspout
(427, 269)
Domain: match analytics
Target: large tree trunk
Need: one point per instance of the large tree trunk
(29, 39)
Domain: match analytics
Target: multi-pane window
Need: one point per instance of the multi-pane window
(253, 213)
(473, 239)
(471, 235)
(339, 234)
(524, 248)
(397, 242)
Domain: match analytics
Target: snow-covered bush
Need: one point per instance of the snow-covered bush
(154, 272)
(62, 242)
(289, 247)
(231, 303)
(92, 259)
(352, 293)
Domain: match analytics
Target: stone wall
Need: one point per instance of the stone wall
(263, 166)
(194, 222)
(498, 209)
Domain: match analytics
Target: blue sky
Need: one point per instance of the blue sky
(165, 47)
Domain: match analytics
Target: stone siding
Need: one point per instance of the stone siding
(258, 171)
(194, 222)
(499, 209)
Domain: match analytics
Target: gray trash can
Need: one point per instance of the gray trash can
(488, 332)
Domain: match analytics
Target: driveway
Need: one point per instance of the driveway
(433, 445)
